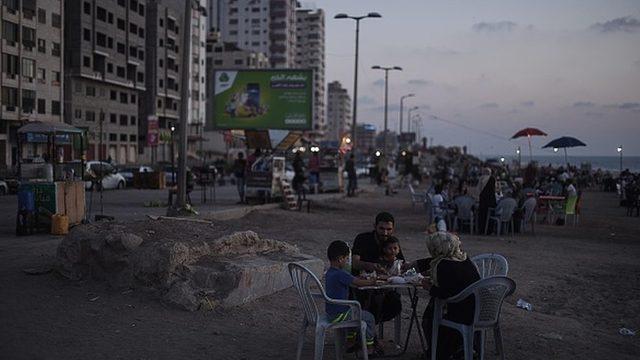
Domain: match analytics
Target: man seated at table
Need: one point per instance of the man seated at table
(366, 253)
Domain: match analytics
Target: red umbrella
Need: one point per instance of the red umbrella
(529, 132)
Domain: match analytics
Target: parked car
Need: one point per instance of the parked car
(111, 179)
(128, 172)
(4, 188)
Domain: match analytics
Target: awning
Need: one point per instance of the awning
(48, 127)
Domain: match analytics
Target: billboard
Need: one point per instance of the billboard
(262, 99)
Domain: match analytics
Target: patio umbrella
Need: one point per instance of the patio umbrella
(529, 132)
(564, 143)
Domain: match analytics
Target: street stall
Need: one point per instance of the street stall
(331, 165)
(51, 191)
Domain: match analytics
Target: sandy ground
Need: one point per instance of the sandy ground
(583, 282)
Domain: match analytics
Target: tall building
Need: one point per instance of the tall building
(197, 85)
(266, 26)
(310, 55)
(32, 71)
(104, 64)
(338, 111)
(161, 100)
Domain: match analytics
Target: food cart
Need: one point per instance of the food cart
(51, 183)
(331, 177)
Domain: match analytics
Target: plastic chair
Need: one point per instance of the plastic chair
(464, 205)
(529, 208)
(416, 197)
(491, 265)
(303, 279)
(489, 294)
(502, 214)
(570, 209)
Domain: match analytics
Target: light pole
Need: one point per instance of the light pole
(620, 152)
(386, 99)
(173, 165)
(409, 117)
(355, 75)
(401, 108)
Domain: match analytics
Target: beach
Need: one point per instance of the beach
(583, 283)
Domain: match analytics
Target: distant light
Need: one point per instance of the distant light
(502, 159)
(404, 153)
(302, 149)
(619, 149)
(378, 153)
(347, 140)
(294, 150)
(518, 151)
(555, 149)
(315, 149)
(173, 128)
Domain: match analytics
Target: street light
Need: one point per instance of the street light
(620, 152)
(173, 165)
(409, 117)
(355, 75)
(401, 108)
(555, 149)
(386, 97)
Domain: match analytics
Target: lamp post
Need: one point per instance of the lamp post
(401, 108)
(173, 165)
(409, 117)
(355, 75)
(386, 70)
(620, 152)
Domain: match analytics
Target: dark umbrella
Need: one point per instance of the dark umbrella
(529, 132)
(564, 143)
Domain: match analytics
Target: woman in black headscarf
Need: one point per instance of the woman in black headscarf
(487, 191)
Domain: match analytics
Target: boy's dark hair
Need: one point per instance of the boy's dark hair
(336, 249)
(390, 240)
(384, 217)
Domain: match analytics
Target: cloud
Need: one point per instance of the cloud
(583, 104)
(366, 100)
(528, 103)
(419, 82)
(379, 83)
(431, 50)
(637, 63)
(594, 114)
(621, 24)
(490, 27)
(625, 106)
(489, 106)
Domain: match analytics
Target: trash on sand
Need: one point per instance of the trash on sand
(94, 298)
(551, 335)
(626, 332)
(524, 305)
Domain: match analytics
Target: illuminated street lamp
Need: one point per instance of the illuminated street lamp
(555, 150)
(378, 153)
(173, 165)
(347, 140)
(620, 152)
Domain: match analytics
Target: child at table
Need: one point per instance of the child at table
(338, 281)
(389, 259)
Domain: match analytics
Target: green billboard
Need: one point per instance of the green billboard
(262, 99)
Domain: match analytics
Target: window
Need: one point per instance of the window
(233, 21)
(10, 32)
(141, 10)
(124, 120)
(42, 107)
(56, 20)
(42, 75)
(55, 49)
(90, 115)
(161, 43)
(132, 138)
(120, 71)
(133, 98)
(161, 63)
(124, 98)
(133, 121)
(109, 42)
(101, 39)
(101, 14)
(133, 28)
(110, 18)
(122, 3)
(113, 137)
(218, 62)
(161, 83)
(42, 16)
(55, 107)
(161, 23)
(12, 5)
(86, 61)
(28, 100)
(9, 97)
(113, 118)
(28, 68)
(86, 34)
(140, 54)
(10, 65)
(114, 95)
(29, 9)
(123, 137)
(56, 77)
(121, 48)
(42, 46)
(91, 91)
(87, 8)
(140, 77)
(159, 104)
(110, 68)
(238, 62)
(141, 32)
(121, 24)
(28, 38)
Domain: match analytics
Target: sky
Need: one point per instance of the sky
(482, 70)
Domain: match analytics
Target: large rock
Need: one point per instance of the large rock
(191, 267)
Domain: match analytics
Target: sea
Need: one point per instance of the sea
(606, 163)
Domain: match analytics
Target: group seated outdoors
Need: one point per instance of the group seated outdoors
(364, 285)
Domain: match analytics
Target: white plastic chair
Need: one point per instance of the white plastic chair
(464, 205)
(491, 265)
(503, 214)
(416, 197)
(529, 217)
(303, 279)
(489, 294)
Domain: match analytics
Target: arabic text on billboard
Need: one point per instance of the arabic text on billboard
(262, 99)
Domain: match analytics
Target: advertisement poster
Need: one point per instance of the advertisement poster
(262, 99)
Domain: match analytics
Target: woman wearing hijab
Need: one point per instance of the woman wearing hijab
(487, 191)
(451, 271)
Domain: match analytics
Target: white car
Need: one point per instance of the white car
(111, 179)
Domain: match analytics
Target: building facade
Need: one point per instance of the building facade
(197, 78)
(310, 54)
(338, 111)
(105, 74)
(282, 33)
(32, 71)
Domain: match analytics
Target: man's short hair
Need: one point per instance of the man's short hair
(384, 217)
(337, 249)
(390, 240)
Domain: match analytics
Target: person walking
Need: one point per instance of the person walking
(239, 171)
(314, 171)
(350, 168)
(298, 177)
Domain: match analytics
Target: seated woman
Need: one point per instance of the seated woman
(451, 271)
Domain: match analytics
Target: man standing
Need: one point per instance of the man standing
(239, 171)
(366, 253)
(350, 168)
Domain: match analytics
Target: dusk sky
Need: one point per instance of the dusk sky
(494, 67)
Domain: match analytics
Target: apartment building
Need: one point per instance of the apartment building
(283, 33)
(105, 53)
(197, 78)
(32, 71)
(338, 112)
(310, 55)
